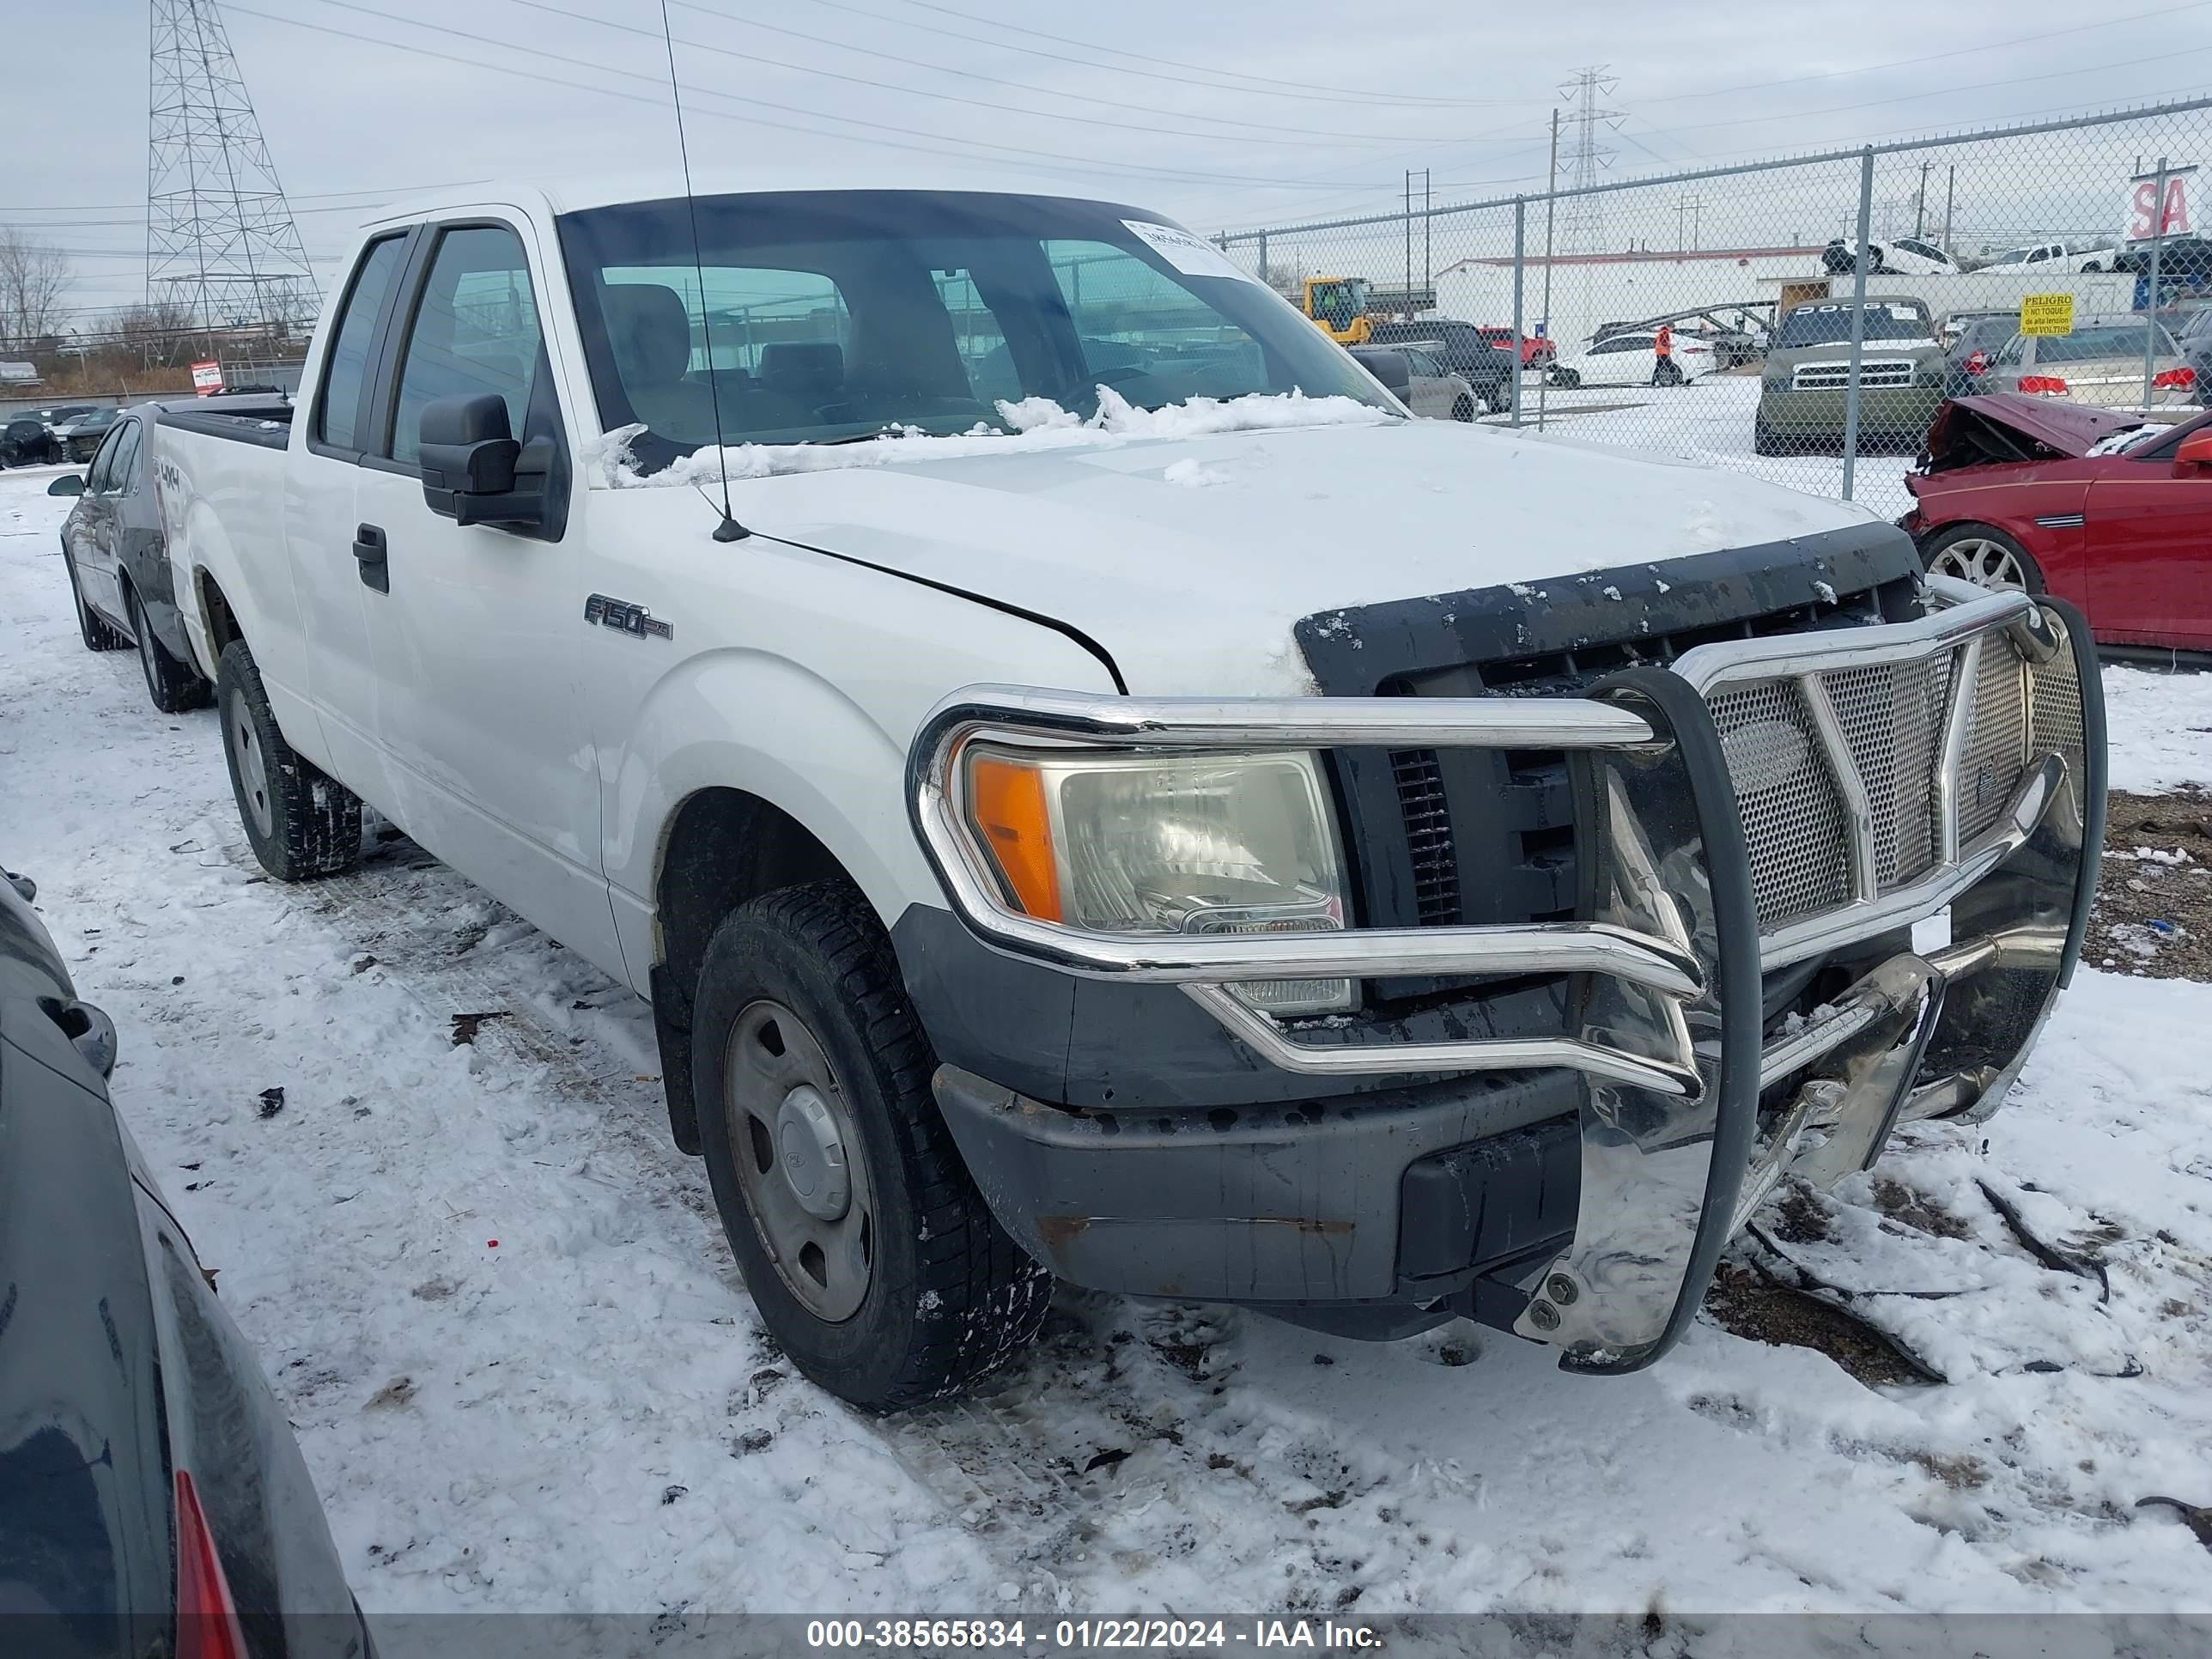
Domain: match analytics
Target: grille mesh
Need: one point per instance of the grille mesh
(1793, 819)
(1892, 721)
(2055, 692)
(1892, 717)
(1989, 770)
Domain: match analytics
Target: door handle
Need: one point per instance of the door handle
(369, 547)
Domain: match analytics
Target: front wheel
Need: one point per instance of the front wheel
(300, 822)
(1566, 378)
(1985, 555)
(1463, 409)
(872, 1258)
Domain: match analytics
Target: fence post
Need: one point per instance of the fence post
(1858, 323)
(1265, 279)
(2150, 301)
(1520, 264)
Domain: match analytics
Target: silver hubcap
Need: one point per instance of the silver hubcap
(252, 769)
(798, 1158)
(1984, 563)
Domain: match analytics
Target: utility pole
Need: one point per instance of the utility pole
(1920, 205)
(1409, 236)
(1428, 234)
(1950, 194)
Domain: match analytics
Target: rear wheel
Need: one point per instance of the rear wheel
(1566, 378)
(174, 686)
(1463, 409)
(1985, 555)
(300, 822)
(873, 1260)
(96, 633)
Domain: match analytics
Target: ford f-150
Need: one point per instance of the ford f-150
(1108, 795)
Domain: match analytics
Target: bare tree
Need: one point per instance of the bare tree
(34, 276)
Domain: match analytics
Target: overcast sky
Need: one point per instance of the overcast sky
(1227, 114)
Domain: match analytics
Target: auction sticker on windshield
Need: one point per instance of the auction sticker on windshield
(1185, 251)
(2047, 314)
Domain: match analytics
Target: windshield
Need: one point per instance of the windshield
(1831, 324)
(827, 317)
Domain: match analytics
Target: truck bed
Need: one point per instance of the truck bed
(263, 421)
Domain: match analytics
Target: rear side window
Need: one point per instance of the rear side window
(122, 466)
(476, 331)
(339, 414)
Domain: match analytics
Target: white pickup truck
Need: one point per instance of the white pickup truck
(1115, 798)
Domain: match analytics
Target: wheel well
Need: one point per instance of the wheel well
(723, 849)
(221, 621)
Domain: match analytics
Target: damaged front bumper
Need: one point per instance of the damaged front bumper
(1755, 805)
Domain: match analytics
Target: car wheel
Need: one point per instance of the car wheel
(300, 822)
(1765, 441)
(872, 1257)
(174, 686)
(1983, 556)
(1566, 378)
(95, 632)
(1463, 408)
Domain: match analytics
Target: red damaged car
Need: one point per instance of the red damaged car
(2093, 505)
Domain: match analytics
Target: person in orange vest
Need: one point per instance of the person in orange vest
(1662, 348)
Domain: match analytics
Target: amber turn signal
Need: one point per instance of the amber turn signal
(1006, 803)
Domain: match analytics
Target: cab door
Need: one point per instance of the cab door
(475, 630)
(322, 485)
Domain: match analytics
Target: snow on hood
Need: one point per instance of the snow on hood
(1189, 541)
(1038, 423)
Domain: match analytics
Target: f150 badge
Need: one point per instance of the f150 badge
(626, 618)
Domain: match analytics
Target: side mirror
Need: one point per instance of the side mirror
(2195, 454)
(70, 483)
(1391, 368)
(468, 455)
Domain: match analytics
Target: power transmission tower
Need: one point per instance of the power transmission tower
(1588, 156)
(221, 247)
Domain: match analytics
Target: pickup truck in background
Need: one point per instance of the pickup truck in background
(1110, 796)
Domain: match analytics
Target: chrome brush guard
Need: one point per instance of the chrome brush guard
(1755, 804)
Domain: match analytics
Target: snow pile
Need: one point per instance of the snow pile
(2160, 729)
(1038, 423)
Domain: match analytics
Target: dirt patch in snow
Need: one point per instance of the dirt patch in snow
(1749, 1303)
(2154, 912)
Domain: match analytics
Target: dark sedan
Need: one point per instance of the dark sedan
(152, 1498)
(26, 440)
(81, 434)
(117, 556)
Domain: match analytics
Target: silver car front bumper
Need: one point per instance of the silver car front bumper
(1754, 805)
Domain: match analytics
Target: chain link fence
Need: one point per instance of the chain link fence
(1804, 319)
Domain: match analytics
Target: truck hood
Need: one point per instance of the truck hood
(1189, 560)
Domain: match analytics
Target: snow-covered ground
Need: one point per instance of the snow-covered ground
(1709, 420)
(496, 1302)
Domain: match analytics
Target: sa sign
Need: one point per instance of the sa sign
(207, 379)
(2148, 216)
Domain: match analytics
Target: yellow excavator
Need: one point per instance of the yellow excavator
(1337, 305)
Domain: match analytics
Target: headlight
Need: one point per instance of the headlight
(1142, 844)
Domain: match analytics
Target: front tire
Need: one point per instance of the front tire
(1566, 378)
(174, 686)
(873, 1260)
(300, 822)
(1463, 409)
(1985, 555)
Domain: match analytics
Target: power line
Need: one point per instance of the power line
(1296, 87)
(478, 62)
(751, 22)
(1213, 86)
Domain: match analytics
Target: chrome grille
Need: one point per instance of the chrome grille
(1832, 377)
(1994, 755)
(1793, 819)
(1796, 791)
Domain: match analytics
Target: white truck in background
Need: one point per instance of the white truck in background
(1113, 797)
